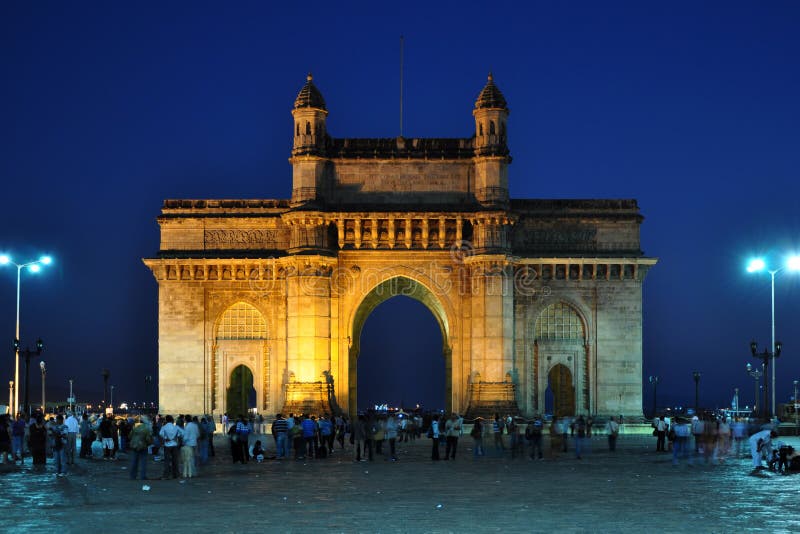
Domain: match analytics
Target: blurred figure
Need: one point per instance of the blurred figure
(477, 438)
(612, 431)
(761, 445)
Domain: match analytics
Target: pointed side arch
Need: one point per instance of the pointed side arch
(560, 336)
(240, 339)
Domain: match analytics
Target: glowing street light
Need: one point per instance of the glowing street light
(33, 267)
(43, 367)
(758, 265)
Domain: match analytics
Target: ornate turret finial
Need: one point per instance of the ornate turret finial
(309, 96)
(490, 96)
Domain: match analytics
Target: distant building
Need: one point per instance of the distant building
(526, 292)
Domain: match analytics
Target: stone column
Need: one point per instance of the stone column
(492, 316)
(308, 315)
(392, 236)
(181, 346)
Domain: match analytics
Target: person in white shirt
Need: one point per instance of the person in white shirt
(170, 434)
(761, 444)
(73, 426)
(191, 433)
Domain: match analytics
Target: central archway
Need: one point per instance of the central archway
(399, 285)
(400, 361)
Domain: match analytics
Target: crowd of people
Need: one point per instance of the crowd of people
(184, 444)
(713, 439)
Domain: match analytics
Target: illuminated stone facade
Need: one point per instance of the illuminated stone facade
(527, 292)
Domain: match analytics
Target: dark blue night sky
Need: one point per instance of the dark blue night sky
(106, 108)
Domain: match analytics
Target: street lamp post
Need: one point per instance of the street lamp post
(696, 375)
(106, 373)
(34, 267)
(757, 265)
(795, 409)
(756, 374)
(765, 357)
(148, 382)
(11, 398)
(654, 380)
(71, 397)
(27, 353)
(44, 373)
(112, 399)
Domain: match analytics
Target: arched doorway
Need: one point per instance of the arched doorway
(397, 368)
(560, 362)
(240, 340)
(559, 382)
(413, 289)
(241, 395)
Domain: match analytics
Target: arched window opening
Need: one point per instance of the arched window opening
(559, 321)
(242, 321)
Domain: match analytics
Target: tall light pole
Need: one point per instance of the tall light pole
(758, 265)
(112, 399)
(71, 397)
(756, 374)
(654, 380)
(765, 357)
(11, 398)
(33, 267)
(795, 409)
(106, 373)
(148, 382)
(696, 376)
(27, 353)
(44, 373)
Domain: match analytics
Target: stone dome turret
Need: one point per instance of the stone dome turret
(309, 96)
(490, 96)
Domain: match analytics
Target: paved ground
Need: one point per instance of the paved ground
(632, 490)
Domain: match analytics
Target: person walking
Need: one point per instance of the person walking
(497, 430)
(58, 433)
(242, 442)
(170, 435)
(390, 433)
(533, 433)
(141, 437)
(680, 446)
(280, 429)
(477, 438)
(359, 437)
(73, 427)
(433, 433)
(579, 430)
(37, 440)
(612, 431)
(452, 432)
(660, 426)
(5, 440)
(191, 434)
(18, 437)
